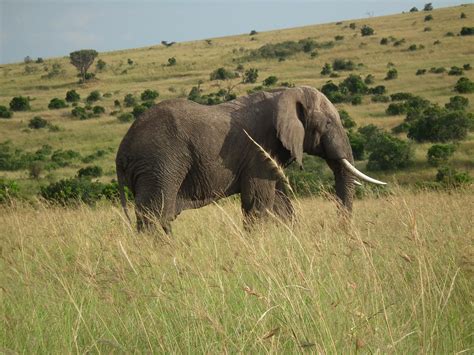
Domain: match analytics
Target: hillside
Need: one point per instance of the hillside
(148, 69)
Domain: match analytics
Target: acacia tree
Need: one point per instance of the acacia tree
(82, 60)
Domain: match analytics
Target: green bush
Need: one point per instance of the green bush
(222, 74)
(100, 65)
(421, 72)
(250, 75)
(390, 153)
(5, 112)
(327, 69)
(90, 171)
(338, 38)
(63, 158)
(356, 100)
(369, 79)
(37, 122)
(126, 117)
(93, 96)
(392, 74)
(81, 113)
(271, 80)
(463, 15)
(428, 7)
(129, 100)
(56, 104)
(72, 191)
(138, 110)
(439, 154)
(455, 71)
(467, 66)
(286, 49)
(366, 31)
(450, 177)
(380, 98)
(91, 157)
(436, 124)
(412, 47)
(8, 189)
(438, 70)
(413, 9)
(401, 96)
(149, 95)
(20, 103)
(464, 86)
(72, 96)
(457, 103)
(98, 110)
(343, 64)
(378, 90)
(384, 41)
(396, 109)
(358, 143)
(346, 119)
(354, 84)
(467, 31)
(352, 26)
(428, 18)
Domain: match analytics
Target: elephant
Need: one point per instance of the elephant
(181, 155)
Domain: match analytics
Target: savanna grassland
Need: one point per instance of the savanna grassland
(398, 278)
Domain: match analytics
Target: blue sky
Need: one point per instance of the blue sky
(45, 28)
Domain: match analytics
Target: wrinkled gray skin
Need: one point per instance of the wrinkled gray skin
(180, 155)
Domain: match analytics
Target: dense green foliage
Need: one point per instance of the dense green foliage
(82, 60)
(56, 104)
(37, 122)
(20, 103)
(464, 86)
(5, 112)
(149, 95)
(438, 154)
(8, 189)
(222, 74)
(72, 96)
(90, 171)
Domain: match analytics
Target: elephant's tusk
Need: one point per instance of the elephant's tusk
(357, 182)
(360, 175)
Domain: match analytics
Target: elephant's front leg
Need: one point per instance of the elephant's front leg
(257, 197)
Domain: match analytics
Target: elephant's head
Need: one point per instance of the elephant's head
(306, 121)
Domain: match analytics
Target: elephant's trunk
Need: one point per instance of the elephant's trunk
(344, 184)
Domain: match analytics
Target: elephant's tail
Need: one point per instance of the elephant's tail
(123, 199)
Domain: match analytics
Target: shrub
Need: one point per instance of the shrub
(222, 74)
(327, 69)
(457, 103)
(455, 71)
(117, 103)
(399, 42)
(149, 95)
(427, 29)
(421, 72)
(378, 90)
(463, 15)
(90, 171)
(329, 88)
(93, 96)
(413, 9)
(342, 64)
(401, 128)
(37, 122)
(8, 189)
(428, 18)
(72, 191)
(438, 70)
(346, 119)
(366, 31)
(172, 61)
(436, 124)
(126, 117)
(98, 110)
(357, 142)
(80, 112)
(464, 86)
(390, 153)
(380, 98)
(384, 41)
(20, 103)
(467, 66)
(138, 110)
(428, 7)
(412, 47)
(56, 104)
(449, 34)
(352, 25)
(356, 100)
(392, 74)
(396, 109)
(439, 154)
(369, 79)
(467, 31)
(250, 75)
(450, 177)
(129, 61)
(354, 84)
(5, 112)
(100, 65)
(253, 33)
(271, 80)
(314, 54)
(129, 100)
(401, 96)
(72, 96)
(148, 104)
(338, 38)
(63, 158)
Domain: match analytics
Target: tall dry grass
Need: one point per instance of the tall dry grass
(398, 279)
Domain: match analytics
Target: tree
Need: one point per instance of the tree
(250, 75)
(20, 103)
(428, 7)
(367, 31)
(72, 96)
(82, 60)
(439, 154)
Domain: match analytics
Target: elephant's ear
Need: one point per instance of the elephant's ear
(287, 121)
